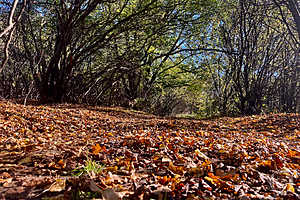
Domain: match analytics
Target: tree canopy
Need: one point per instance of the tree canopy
(209, 57)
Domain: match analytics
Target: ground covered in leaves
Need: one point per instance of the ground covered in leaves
(81, 152)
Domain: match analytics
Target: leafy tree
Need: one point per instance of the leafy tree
(216, 57)
(101, 45)
(294, 8)
(255, 55)
(72, 32)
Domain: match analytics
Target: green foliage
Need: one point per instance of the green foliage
(90, 168)
(78, 195)
(209, 55)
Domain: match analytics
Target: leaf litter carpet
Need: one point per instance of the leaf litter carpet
(143, 156)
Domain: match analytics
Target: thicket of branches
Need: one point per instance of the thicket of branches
(208, 57)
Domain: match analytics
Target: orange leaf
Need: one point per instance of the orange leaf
(61, 163)
(164, 180)
(293, 153)
(290, 188)
(112, 168)
(96, 149)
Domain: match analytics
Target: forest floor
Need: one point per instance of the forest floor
(82, 152)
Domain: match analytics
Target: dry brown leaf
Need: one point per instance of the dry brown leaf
(58, 186)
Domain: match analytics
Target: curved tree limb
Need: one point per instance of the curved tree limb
(10, 29)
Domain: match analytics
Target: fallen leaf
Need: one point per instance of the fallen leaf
(290, 188)
(58, 186)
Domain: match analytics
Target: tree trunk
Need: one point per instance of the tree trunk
(51, 87)
(293, 6)
(298, 81)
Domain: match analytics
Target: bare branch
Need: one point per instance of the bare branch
(10, 29)
(10, 21)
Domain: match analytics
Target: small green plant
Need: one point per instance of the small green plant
(91, 168)
(85, 195)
